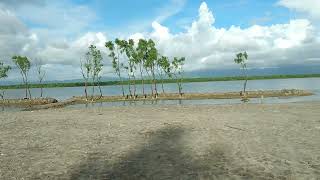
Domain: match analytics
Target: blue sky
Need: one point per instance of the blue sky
(117, 15)
(208, 33)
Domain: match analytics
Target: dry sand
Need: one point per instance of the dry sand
(245, 141)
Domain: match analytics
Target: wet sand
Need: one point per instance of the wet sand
(246, 141)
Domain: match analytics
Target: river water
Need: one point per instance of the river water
(312, 84)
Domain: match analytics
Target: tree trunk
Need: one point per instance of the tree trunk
(25, 83)
(85, 89)
(119, 73)
(134, 86)
(100, 89)
(122, 88)
(178, 83)
(129, 85)
(162, 85)
(27, 86)
(142, 80)
(154, 81)
(93, 85)
(2, 95)
(29, 91)
(151, 84)
(246, 79)
(181, 79)
(160, 72)
(245, 85)
(41, 91)
(179, 89)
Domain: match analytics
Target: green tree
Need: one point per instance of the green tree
(86, 70)
(177, 72)
(150, 65)
(41, 74)
(3, 74)
(132, 61)
(23, 63)
(123, 46)
(115, 56)
(141, 58)
(163, 66)
(241, 58)
(96, 64)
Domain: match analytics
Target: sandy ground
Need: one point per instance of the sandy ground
(245, 141)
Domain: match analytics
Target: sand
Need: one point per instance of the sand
(246, 141)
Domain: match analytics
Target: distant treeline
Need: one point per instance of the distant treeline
(185, 80)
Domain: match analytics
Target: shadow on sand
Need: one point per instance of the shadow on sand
(164, 157)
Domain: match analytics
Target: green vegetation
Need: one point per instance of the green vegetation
(24, 65)
(241, 59)
(91, 69)
(3, 74)
(41, 73)
(127, 57)
(115, 57)
(177, 72)
(186, 80)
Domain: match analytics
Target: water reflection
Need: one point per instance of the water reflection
(197, 87)
(312, 84)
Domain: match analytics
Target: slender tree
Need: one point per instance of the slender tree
(114, 55)
(132, 61)
(177, 72)
(23, 63)
(141, 58)
(150, 65)
(123, 46)
(86, 70)
(3, 74)
(96, 64)
(163, 67)
(40, 73)
(241, 58)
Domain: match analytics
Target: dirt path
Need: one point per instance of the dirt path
(163, 142)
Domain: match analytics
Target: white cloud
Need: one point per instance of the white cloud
(172, 8)
(311, 7)
(70, 52)
(206, 46)
(203, 45)
(14, 35)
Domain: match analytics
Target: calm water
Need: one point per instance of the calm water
(312, 84)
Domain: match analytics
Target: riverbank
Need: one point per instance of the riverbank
(247, 141)
(172, 96)
(185, 80)
(27, 102)
(193, 96)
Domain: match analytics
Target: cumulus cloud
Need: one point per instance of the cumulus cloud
(206, 46)
(311, 7)
(69, 53)
(14, 35)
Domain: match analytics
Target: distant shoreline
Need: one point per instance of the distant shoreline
(175, 96)
(186, 80)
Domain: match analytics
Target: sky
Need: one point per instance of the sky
(209, 33)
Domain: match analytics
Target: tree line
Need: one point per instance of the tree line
(130, 60)
(143, 60)
(23, 63)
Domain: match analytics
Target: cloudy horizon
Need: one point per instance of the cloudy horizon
(209, 34)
